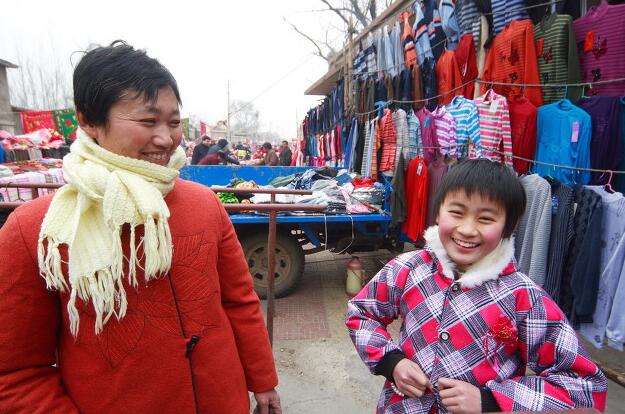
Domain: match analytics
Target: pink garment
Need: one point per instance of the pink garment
(445, 125)
(428, 135)
(495, 132)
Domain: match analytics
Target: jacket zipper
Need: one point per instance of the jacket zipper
(191, 342)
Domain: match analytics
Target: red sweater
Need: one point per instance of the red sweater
(523, 121)
(137, 364)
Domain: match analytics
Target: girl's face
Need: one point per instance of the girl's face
(469, 227)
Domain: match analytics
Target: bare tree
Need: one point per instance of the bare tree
(354, 15)
(244, 118)
(41, 82)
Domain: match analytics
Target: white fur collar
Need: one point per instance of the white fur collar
(488, 268)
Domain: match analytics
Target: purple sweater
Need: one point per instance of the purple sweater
(606, 145)
(599, 35)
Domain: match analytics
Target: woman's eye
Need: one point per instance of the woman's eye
(174, 124)
(149, 121)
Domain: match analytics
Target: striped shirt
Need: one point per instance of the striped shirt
(601, 49)
(449, 23)
(407, 39)
(388, 142)
(365, 169)
(400, 123)
(495, 130)
(413, 149)
(465, 113)
(504, 11)
(445, 125)
(557, 56)
(370, 57)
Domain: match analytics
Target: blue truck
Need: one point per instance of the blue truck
(297, 235)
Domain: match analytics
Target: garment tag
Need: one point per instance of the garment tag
(419, 168)
(493, 106)
(427, 122)
(539, 47)
(575, 132)
(589, 41)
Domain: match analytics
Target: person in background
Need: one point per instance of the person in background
(285, 154)
(218, 154)
(472, 322)
(270, 158)
(127, 290)
(201, 150)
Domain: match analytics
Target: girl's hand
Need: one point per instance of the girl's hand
(410, 379)
(460, 397)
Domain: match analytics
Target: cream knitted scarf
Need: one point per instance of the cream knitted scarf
(104, 191)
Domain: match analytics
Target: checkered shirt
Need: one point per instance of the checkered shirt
(415, 143)
(453, 332)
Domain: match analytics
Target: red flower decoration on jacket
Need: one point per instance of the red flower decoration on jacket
(505, 332)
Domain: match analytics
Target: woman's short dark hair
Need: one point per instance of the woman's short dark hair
(267, 146)
(490, 180)
(106, 73)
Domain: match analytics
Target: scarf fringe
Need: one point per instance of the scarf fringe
(50, 264)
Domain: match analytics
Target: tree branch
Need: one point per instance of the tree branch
(335, 10)
(310, 39)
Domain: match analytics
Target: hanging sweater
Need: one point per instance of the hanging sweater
(606, 147)
(466, 116)
(414, 138)
(523, 121)
(448, 77)
(416, 198)
(532, 236)
(563, 139)
(445, 126)
(560, 236)
(449, 22)
(612, 248)
(580, 276)
(557, 56)
(467, 64)
(512, 59)
(407, 39)
(388, 143)
(494, 119)
(400, 123)
(429, 34)
(505, 11)
(599, 35)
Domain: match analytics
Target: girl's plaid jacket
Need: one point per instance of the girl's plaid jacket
(485, 328)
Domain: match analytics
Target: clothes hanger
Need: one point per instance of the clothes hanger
(608, 186)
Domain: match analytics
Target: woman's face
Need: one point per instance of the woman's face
(136, 128)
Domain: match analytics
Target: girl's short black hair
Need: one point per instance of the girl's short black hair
(490, 180)
(106, 73)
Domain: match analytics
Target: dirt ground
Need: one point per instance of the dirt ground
(318, 367)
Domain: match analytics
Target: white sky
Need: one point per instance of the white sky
(203, 44)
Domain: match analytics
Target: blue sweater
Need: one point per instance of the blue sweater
(564, 133)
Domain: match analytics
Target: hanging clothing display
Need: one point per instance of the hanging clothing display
(445, 131)
(416, 196)
(466, 116)
(523, 119)
(612, 260)
(35, 120)
(564, 133)
(512, 59)
(532, 236)
(495, 134)
(407, 39)
(606, 147)
(562, 212)
(557, 56)
(448, 77)
(467, 63)
(505, 11)
(599, 36)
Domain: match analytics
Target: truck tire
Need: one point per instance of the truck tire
(289, 263)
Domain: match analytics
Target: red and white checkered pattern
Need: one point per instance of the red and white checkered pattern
(412, 287)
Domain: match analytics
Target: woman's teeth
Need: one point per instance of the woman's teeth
(465, 244)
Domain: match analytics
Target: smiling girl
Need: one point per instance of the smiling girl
(472, 323)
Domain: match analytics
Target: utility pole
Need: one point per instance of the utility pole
(228, 125)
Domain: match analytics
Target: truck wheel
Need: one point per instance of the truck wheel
(289, 263)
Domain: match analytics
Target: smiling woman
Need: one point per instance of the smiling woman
(139, 277)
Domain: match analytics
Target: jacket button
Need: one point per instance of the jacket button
(444, 336)
(455, 287)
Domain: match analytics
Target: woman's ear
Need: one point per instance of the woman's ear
(87, 126)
